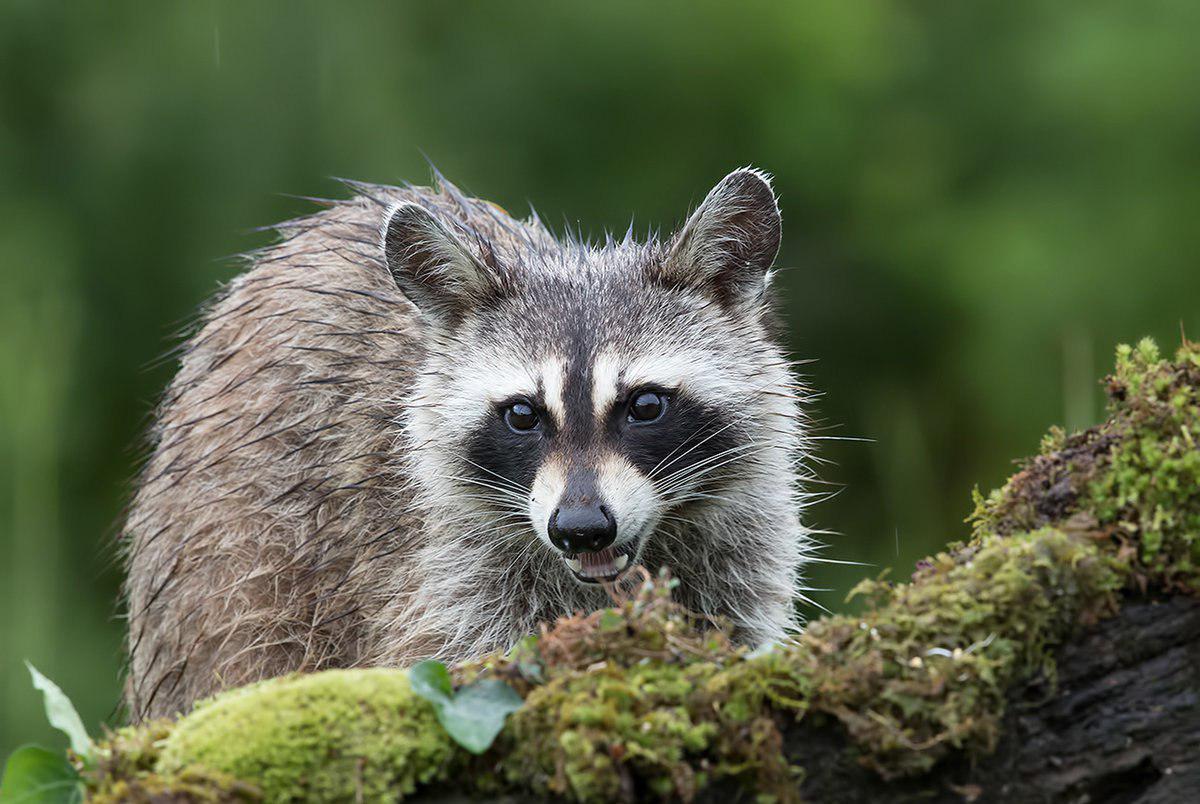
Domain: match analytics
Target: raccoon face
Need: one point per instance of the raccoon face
(589, 396)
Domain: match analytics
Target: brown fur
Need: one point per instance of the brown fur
(269, 518)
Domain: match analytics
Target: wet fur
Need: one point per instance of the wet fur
(299, 509)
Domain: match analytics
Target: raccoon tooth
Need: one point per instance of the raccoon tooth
(622, 562)
(575, 564)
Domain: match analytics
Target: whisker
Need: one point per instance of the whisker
(708, 469)
(670, 479)
(485, 484)
(514, 484)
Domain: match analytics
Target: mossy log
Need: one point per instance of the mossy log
(1054, 656)
(1120, 722)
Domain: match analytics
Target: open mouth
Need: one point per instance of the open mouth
(603, 565)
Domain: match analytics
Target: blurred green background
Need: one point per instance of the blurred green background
(980, 200)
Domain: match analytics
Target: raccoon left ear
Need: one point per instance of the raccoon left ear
(433, 267)
(728, 244)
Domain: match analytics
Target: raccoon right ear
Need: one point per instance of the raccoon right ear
(432, 266)
(728, 244)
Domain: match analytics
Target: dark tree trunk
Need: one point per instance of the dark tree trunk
(1121, 724)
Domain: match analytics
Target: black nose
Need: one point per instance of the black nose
(582, 528)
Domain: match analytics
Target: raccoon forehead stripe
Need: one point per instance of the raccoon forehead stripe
(606, 376)
(553, 378)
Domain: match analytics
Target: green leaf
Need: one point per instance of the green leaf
(431, 680)
(34, 775)
(472, 717)
(476, 714)
(62, 715)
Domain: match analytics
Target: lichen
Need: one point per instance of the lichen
(341, 735)
(646, 700)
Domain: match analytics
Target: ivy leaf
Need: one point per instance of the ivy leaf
(431, 680)
(62, 715)
(475, 714)
(34, 775)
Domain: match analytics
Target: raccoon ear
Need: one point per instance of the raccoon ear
(432, 266)
(728, 244)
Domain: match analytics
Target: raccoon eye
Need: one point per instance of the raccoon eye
(647, 406)
(521, 417)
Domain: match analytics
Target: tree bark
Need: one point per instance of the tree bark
(1119, 724)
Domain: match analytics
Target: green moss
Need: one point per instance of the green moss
(665, 708)
(1133, 481)
(131, 751)
(1150, 487)
(124, 771)
(190, 786)
(578, 730)
(336, 736)
(926, 668)
(923, 671)
(644, 700)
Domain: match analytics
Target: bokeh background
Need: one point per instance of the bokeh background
(980, 200)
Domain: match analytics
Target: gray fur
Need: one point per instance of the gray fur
(307, 504)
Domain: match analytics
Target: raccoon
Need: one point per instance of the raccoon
(418, 427)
